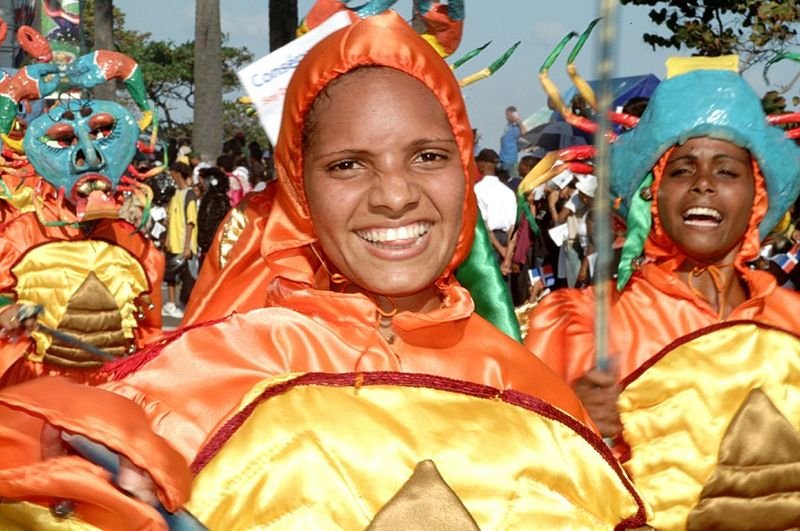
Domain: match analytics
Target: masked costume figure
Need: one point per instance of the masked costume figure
(96, 278)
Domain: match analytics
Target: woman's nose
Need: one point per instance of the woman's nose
(393, 191)
(704, 181)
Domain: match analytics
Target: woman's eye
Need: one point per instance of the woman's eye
(432, 156)
(678, 172)
(728, 172)
(343, 165)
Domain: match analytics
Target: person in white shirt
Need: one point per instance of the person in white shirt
(496, 201)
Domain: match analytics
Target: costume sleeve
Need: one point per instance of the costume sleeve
(561, 332)
(101, 416)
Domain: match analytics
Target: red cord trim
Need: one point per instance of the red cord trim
(118, 370)
(512, 397)
(690, 337)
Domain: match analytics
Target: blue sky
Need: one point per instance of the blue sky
(539, 24)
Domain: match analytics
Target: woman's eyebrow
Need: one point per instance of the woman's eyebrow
(349, 152)
(689, 156)
(718, 156)
(421, 142)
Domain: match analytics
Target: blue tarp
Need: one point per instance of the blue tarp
(623, 88)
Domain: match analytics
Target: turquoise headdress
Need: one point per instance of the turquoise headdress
(715, 103)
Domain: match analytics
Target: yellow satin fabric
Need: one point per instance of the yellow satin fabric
(758, 477)
(50, 274)
(323, 457)
(26, 516)
(676, 413)
(230, 233)
(21, 199)
(654, 310)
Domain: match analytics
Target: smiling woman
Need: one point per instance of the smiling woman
(385, 194)
(369, 351)
(706, 199)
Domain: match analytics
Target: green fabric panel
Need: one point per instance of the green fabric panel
(480, 274)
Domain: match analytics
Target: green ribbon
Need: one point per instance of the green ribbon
(480, 274)
(5, 300)
(581, 41)
(638, 222)
(524, 207)
(469, 55)
(495, 66)
(548, 62)
(780, 57)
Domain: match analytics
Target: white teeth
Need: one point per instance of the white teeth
(703, 211)
(406, 232)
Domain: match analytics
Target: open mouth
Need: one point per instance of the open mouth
(92, 197)
(702, 217)
(396, 237)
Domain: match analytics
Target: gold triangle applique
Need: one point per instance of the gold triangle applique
(425, 501)
(92, 315)
(757, 481)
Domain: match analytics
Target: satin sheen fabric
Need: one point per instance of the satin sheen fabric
(513, 461)
(675, 427)
(672, 450)
(654, 310)
(25, 233)
(656, 307)
(191, 384)
(234, 275)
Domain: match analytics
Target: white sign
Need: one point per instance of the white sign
(265, 81)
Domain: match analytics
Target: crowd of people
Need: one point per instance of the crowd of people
(349, 363)
(191, 200)
(543, 239)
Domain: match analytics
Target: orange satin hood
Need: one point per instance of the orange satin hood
(383, 40)
(661, 248)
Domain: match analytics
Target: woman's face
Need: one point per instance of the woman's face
(706, 197)
(384, 181)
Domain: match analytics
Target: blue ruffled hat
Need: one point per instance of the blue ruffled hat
(715, 103)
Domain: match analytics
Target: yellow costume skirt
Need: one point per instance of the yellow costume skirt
(712, 426)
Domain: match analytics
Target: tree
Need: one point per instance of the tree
(756, 30)
(207, 133)
(168, 69)
(104, 40)
(282, 22)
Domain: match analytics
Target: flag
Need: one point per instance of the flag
(543, 274)
(788, 260)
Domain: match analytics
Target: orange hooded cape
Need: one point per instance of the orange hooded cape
(191, 383)
(656, 307)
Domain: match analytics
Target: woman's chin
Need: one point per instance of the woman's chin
(406, 292)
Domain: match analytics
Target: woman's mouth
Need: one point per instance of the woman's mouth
(702, 217)
(396, 238)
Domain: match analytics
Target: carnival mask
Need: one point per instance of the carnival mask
(83, 148)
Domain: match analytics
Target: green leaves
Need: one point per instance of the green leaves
(753, 29)
(168, 67)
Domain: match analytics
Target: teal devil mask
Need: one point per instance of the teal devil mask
(81, 145)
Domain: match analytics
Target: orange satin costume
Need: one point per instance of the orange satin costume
(655, 308)
(192, 383)
(234, 276)
(25, 234)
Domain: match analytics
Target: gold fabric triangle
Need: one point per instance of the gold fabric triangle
(425, 501)
(92, 315)
(757, 481)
